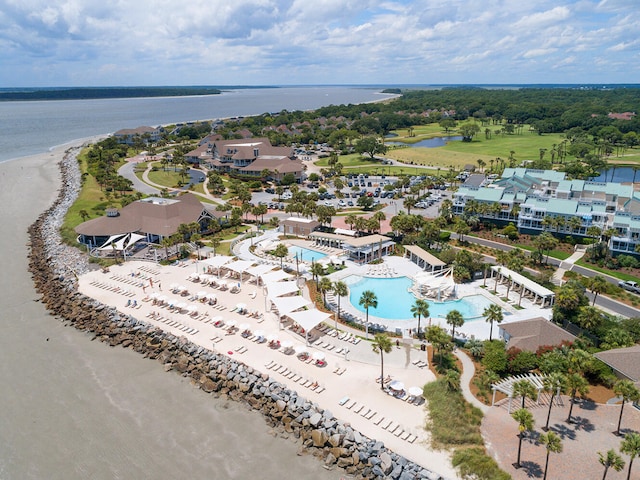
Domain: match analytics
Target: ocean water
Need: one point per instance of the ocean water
(76, 409)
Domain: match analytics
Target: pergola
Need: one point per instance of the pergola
(539, 293)
(506, 386)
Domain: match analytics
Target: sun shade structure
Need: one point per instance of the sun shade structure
(274, 276)
(506, 386)
(308, 319)
(239, 266)
(217, 261)
(539, 293)
(259, 270)
(286, 305)
(279, 289)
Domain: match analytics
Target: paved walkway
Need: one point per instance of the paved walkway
(468, 370)
(565, 265)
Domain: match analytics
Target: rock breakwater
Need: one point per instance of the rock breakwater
(55, 266)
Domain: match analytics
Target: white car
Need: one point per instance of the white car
(342, 203)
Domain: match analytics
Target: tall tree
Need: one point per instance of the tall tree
(631, 446)
(555, 383)
(324, 287)
(610, 460)
(524, 389)
(627, 390)
(597, 285)
(368, 299)
(455, 319)
(339, 290)
(553, 444)
(576, 384)
(525, 424)
(281, 251)
(381, 344)
(493, 313)
(420, 308)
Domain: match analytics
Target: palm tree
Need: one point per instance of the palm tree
(552, 443)
(525, 423)
(611, 459)
(631, 446)
(493, 313)
(368, 299)
(524, 389)
(629, 393)
(379, 216)
(420, 309)
(381, 344)
(324, 286)
(597, 285)
(455, 319)
(556, 383)
(452, 380)
(339, 290)
(576, 384)
(316, 270)
(281, 251)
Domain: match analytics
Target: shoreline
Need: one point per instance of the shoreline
(56, 282)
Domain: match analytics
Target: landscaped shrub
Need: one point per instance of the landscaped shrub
(521, 362)
(475, 463)
(495, 357)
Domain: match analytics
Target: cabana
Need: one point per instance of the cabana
(279, 289)
(274, 276)
(423, 259)
(286, 305)
(259, 270)
(239, 266)
(308, 319)
(539, 293)
(217, 262)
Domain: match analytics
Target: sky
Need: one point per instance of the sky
(317, 42)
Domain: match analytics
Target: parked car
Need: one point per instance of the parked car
(629, 286)
(342, 203)
(350, 203)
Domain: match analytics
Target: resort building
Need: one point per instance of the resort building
(130, 135)
(302, 227)
(539, 200)
(624, 361)
(359, 249)
(530, 335)
(151, 219)
(252, 156)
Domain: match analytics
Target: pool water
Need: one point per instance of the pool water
(305, 254)
(395, 300)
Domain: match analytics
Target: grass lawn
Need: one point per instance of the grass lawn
(351, 160)
(613, 273)
(167, 178)
(560, 255)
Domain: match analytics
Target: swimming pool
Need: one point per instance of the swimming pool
(395, 300)
(305, 254)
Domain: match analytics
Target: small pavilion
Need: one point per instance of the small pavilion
(423, 259)
(537, 292)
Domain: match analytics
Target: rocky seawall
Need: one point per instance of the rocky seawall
(54, 268)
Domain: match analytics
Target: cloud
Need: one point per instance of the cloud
(59, 42)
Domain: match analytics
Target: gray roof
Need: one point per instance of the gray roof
(624, 360)
(534, 333)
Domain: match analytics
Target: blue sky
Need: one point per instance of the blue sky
(298, 42)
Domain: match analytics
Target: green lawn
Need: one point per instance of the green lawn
(351, 160)
(613, 273)
(560, 255)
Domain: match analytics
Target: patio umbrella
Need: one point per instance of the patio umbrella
(241, 306)
(222, 283)
(287, 344)
(318, 356)
(272, 337)
(201, 294)
(162, 298)
(192, 309)
(182, 288)
(259, 333)
(244, 326)
(415, 391)
(396, 385)
(173, 286)
(211, 296)
(300, 349)
(154, 296)
(232, 323)
(181, 305)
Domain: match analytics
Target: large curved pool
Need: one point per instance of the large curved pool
(395, 300)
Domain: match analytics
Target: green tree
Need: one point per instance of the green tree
(370, 146)
(368, 299)
(597, 285)
(555, 383)
(626, 390)
(468, 131)
(440, 340)
(589, 317)
(553, 444)
(610, 460)
(316, 270)
(381, 344)
(524, 389)
(576, 384)
(281, 251)
(84, 215)
(420, 308)
(447, 124)
(493, 313)
(631, 446)
(339, 290)
(525, 423)
(452, 380)
(455, 319)
(324, 287)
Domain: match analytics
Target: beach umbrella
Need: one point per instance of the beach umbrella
(173, 286)
(244, 326)
(300, 349)
(287, 344)
(232, 323)
(182, 288)
(272, 337)
(415, 391)
(154, 296)
(162, 298)
(259, 333)
(396, 385)
(318, 356)
(241, 306)
(192, 309)
(201, 294)
(181, 305)
(211, 296)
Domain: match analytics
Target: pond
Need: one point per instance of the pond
(619, 174)
(434, 142)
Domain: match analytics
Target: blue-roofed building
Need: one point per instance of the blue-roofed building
(538, 200)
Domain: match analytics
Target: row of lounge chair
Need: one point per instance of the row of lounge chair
(150, 270)
(113, 288)
(296, 377)
(170, 322)
(369, 414)
(132, 280)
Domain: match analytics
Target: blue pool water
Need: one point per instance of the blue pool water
(305, 254)
(395, 301)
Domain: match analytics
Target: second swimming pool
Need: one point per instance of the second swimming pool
(305, 254)
(395, 300)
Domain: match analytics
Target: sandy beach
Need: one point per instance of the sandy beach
(73, 408)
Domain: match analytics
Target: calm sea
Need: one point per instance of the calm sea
(71, 408)
(32, 127)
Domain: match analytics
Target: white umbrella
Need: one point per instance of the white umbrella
(211, 296)
(318, 356)
(241, 306)
(182, 288)
(272, 337)
(222, 283)
(162, 298)
(181, 305)
(244, 326)
(154, 296)
(287, 344)
(192, 309)
(232, 323)
(201, 294)
(173, 286)
(300, 349)
(259, 333)
(415, 391)
(396, 385)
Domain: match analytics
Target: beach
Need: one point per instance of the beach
(73, 408)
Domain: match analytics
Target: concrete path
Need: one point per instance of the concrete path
(127, 171)
(468, 370)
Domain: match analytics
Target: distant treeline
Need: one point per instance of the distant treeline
(86, 93)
